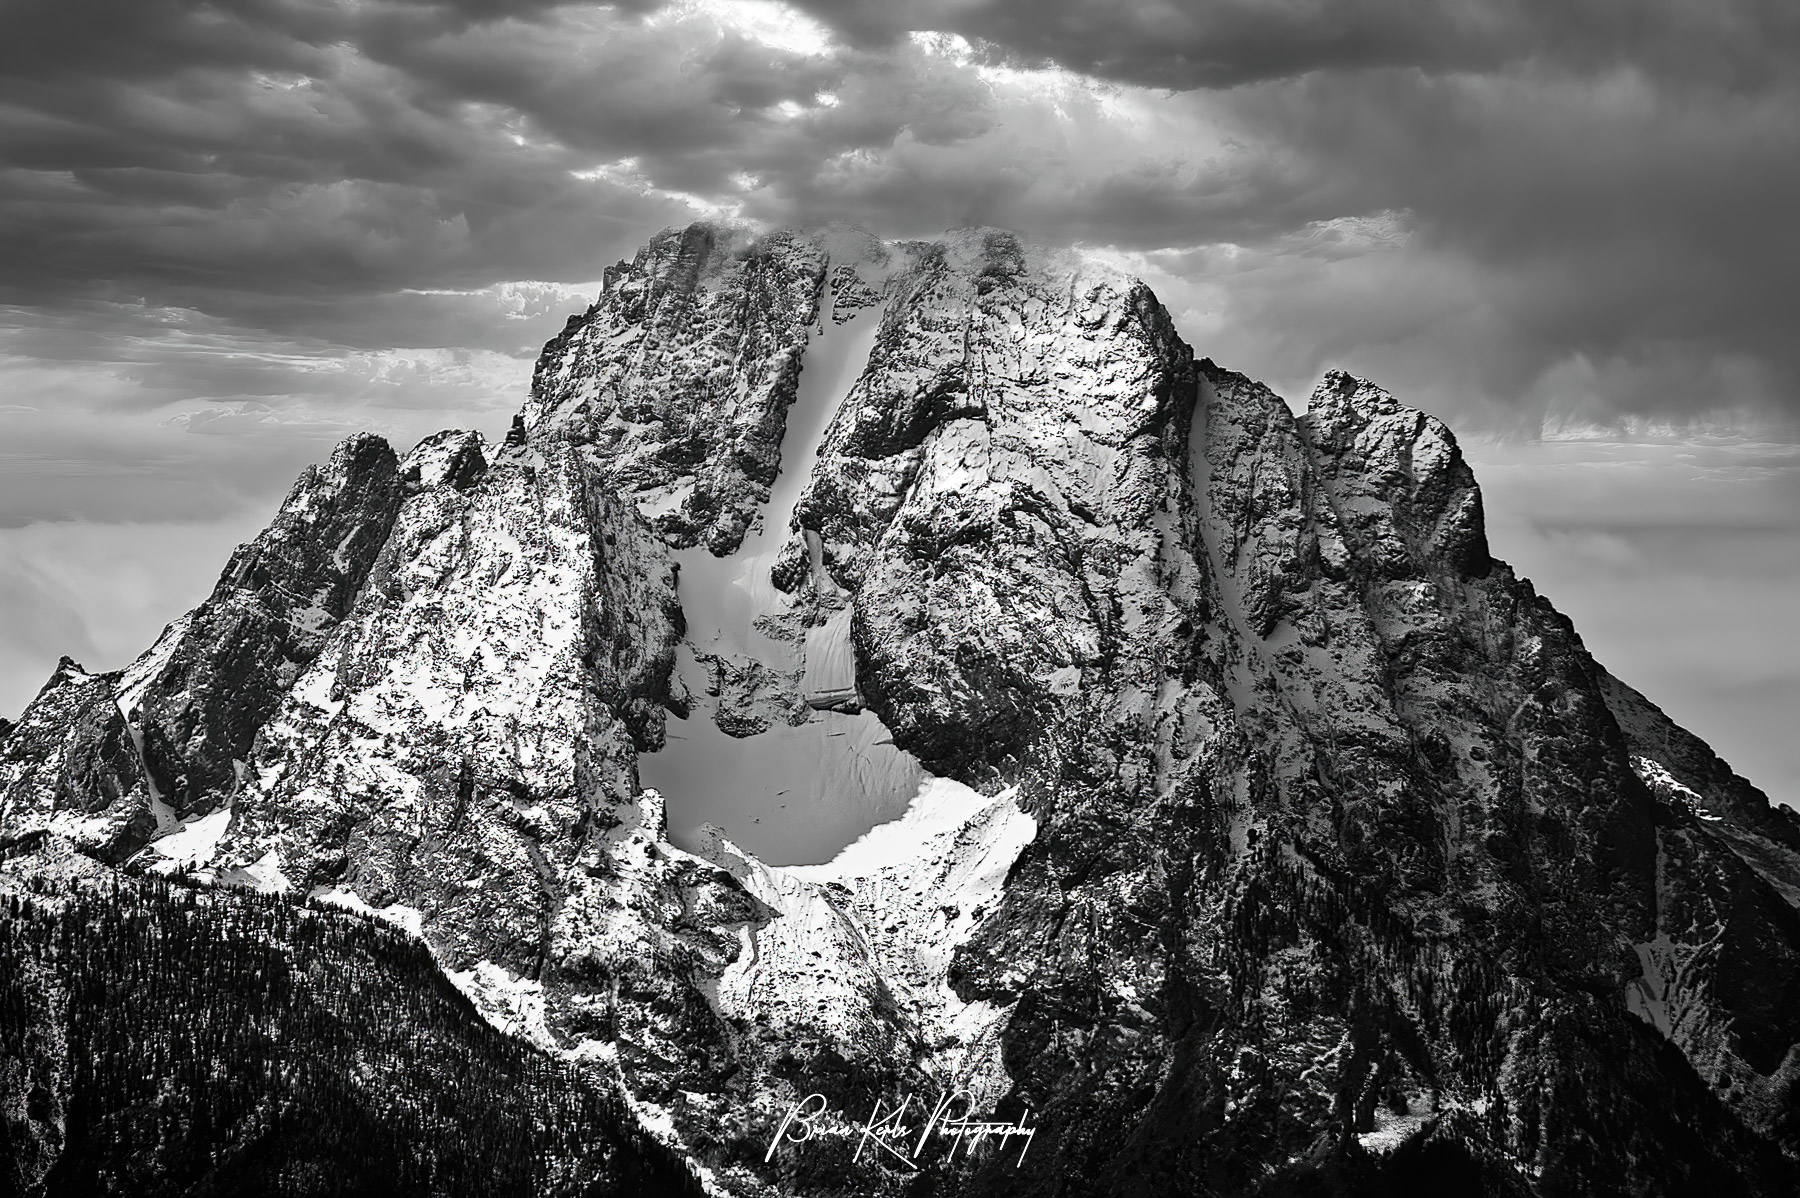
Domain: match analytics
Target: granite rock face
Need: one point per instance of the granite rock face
(1268, 837)
(70, 765)
(677, 381)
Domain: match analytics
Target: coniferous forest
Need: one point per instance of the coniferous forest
(159, 1039)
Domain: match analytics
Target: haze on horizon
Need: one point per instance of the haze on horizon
(236, 232)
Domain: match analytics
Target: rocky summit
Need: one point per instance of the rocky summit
(905, 725)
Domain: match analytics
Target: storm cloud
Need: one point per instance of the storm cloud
(233, 232)
(1596, 192)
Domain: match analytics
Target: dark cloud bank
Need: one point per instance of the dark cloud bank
(233, 231)
(1610, 182)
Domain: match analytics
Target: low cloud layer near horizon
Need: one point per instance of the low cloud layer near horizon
(236, 231)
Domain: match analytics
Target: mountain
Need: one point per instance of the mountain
(885, 671)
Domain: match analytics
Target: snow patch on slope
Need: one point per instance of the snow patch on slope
(1392, 1129)
(133, 682)
(830, 659)
(511, 1003)
(264, 875)
(196, 840)
(791, 794)
(1666, 786)
(1647, 997)
(727, 599)
(407, 919)
(891, 908)
(136, 678)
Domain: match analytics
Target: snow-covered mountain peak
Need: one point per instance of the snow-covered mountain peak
(872, 667)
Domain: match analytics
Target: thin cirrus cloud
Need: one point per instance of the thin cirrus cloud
(237, 231)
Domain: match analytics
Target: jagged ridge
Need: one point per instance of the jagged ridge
(1338, 837)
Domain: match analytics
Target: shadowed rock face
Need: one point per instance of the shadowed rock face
(1268, 824)
(274, 607)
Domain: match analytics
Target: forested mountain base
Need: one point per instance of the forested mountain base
(157, 1040)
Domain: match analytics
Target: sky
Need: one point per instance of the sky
(232, 233)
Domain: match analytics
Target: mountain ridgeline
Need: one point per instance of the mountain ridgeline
(1262, 834)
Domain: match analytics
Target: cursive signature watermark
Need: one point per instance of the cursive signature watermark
(888, 1137)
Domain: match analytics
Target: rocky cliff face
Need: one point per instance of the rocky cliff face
(114, 760)
(1259, 833)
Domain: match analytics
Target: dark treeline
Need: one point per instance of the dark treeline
(157, 1039)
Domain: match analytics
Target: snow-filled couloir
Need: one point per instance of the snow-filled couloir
(775, 747)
